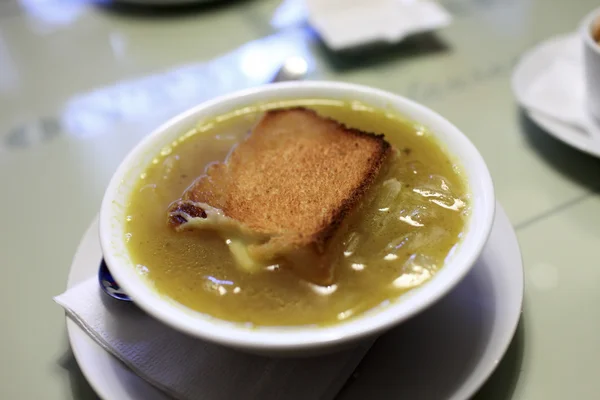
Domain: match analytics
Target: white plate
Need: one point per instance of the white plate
(456, 366)
(532, 64)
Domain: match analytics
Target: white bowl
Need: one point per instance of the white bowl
(299, 340)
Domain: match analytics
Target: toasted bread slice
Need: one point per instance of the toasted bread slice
(286, 189)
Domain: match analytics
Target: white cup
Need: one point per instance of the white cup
(591, 24)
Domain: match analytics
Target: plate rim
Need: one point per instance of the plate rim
(466, 390)
(501, 218)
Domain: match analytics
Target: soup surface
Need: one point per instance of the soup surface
(406, 226)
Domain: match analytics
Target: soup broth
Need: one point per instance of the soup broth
(406, 226)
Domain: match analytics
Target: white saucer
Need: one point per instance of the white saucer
(528, 68)
(452, 347)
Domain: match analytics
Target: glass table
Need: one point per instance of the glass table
(81, 83)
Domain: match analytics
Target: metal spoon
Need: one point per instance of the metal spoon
(292, 69)
(109, 285)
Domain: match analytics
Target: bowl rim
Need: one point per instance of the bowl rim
(298, 337)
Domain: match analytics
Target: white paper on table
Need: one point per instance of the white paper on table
(348, 23)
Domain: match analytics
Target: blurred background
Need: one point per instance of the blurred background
(82, 81)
